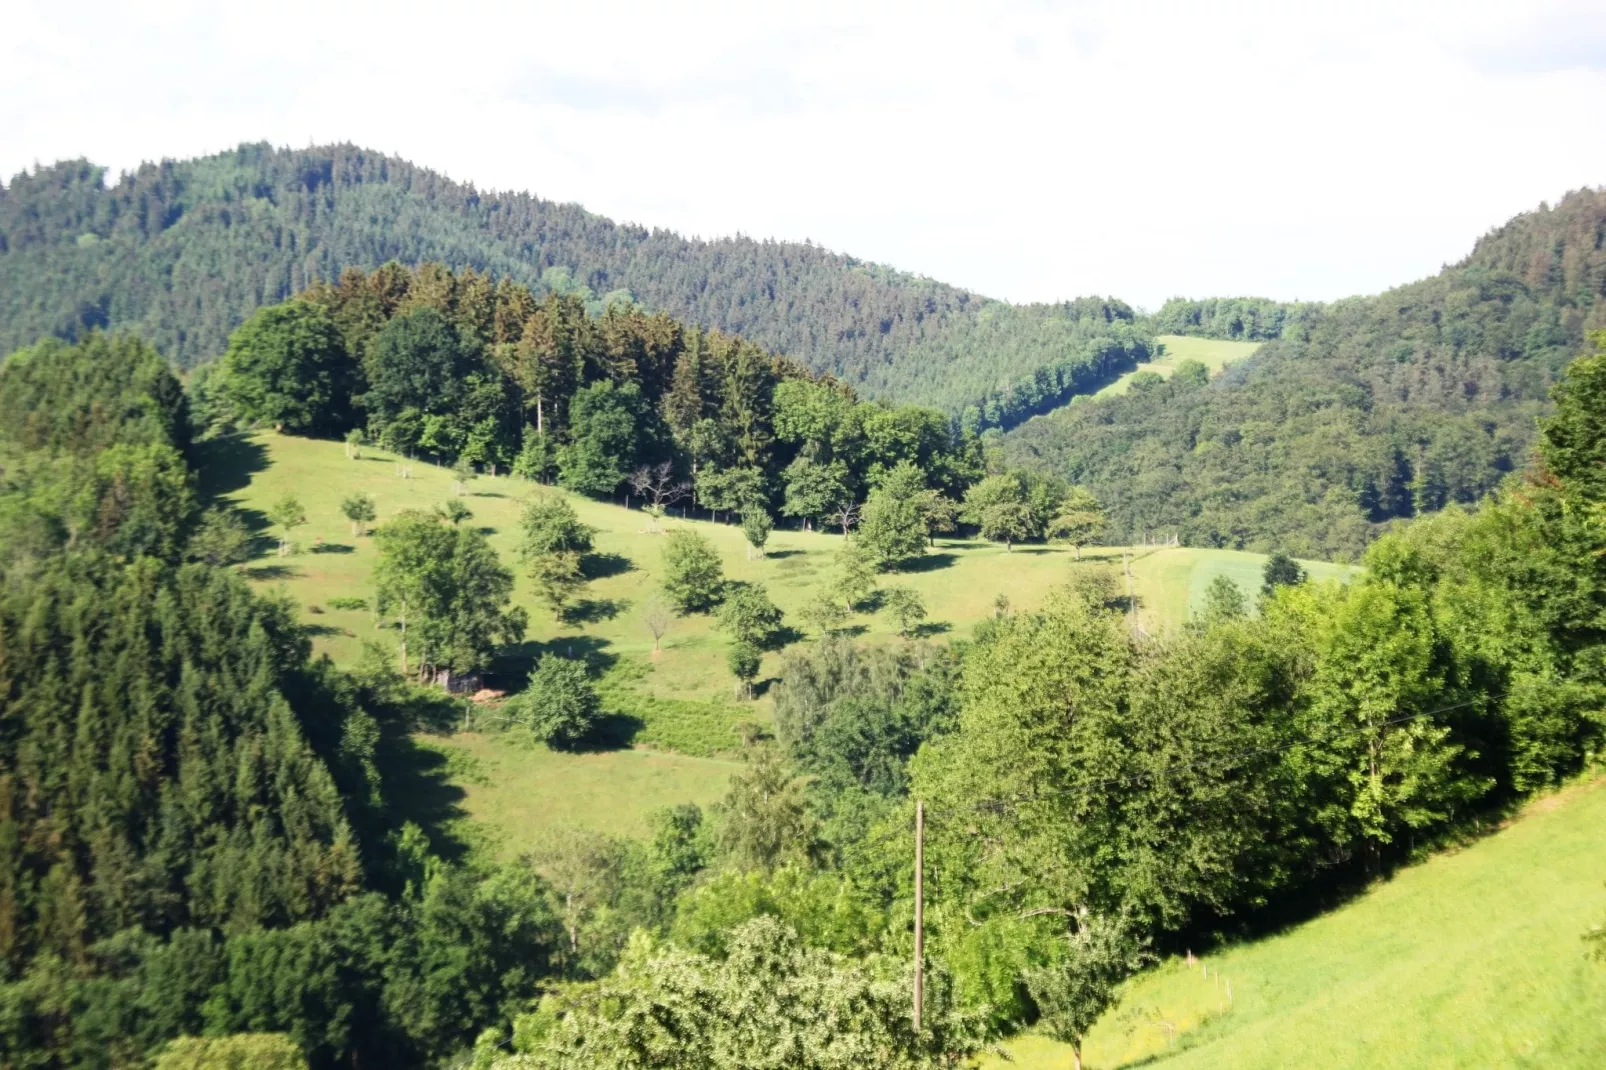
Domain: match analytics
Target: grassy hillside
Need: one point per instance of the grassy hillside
(183, 251)
(682, 700)
(1472, 958)
(1215, 354)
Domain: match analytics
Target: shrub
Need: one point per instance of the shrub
(560, 705)
(749, 616)
(694, 580)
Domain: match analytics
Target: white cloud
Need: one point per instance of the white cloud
(1027, 150)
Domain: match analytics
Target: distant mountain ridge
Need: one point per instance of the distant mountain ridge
(182, 251)
(1356, 413)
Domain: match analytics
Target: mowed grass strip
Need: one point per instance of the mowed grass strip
(1472, 958)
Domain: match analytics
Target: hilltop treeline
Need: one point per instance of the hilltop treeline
(453, 366)
(184, 251)
(1235, 319)
(1373, 410)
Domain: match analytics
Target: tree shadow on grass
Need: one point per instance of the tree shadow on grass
(225, 465)
(418, 788)
(269, 572)
(594, 610)
(927, 562)
(322, 629)
(781, 555)
(486, 494)
(612, 731)
(601, 566)
(334, 548)
(785, 636)
(514, 664)
(927, 629)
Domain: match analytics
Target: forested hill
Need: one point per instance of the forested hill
(1362, 411)
(184, 251)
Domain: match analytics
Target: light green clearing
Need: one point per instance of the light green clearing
(516, 791)
(1472, 958)
(1171, 581)
(685, 696)
(1212, 353)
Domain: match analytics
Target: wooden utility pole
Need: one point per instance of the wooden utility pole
(1131, 603)
(920, 909)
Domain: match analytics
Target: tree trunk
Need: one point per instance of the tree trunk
(1076, 1054)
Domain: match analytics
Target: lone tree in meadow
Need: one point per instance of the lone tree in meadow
(454, 511)
(892, 527)
(756, 528)
(693, 578)
(449, 590)
(1281, 571)
(658, 487)
(287, 514)
(824, 613)
(1079, 521)
(1000, 507)
(360, 510)
(560, 705)
(856, 572)
(1223, 600)
(744, 660)
(907, 608)
(555, 542)
(657, 615)
(748, 616)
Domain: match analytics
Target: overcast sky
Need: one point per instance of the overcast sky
(1030, 151)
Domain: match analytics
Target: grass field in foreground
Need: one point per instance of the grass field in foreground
(683, 700)
(1212, 353)
(1472, 958)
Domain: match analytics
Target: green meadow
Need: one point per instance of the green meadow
(682, 700)
(1213, 353)
(1472, 958)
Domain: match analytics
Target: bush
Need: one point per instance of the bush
(560, 705)
(551, 526)
(241, 1051)
(749, 616)
(694, 580)
(744, 660)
